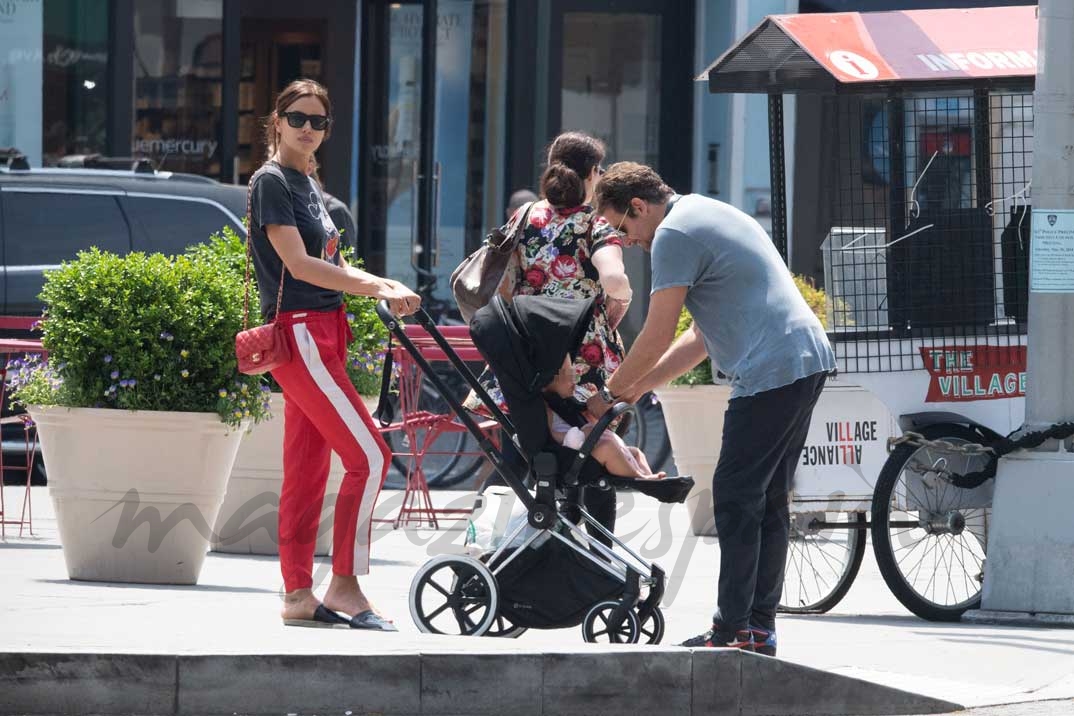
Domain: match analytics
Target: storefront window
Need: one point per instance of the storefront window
(20, 76)
(178, 84)
(75, 105)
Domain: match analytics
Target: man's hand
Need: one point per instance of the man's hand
(401, 300)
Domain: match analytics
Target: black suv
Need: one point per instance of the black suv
(49, 215)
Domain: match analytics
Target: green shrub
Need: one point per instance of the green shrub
(143, 332)
(814, 297)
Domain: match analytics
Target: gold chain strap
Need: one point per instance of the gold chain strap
(249, 249)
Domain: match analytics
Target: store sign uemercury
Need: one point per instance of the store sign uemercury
(919, 44)
(976, 372)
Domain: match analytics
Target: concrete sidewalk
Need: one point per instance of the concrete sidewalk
(234, 611)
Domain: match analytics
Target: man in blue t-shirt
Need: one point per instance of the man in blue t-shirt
(754, 324)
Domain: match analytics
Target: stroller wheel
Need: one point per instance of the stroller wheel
(503, 628)
(602, 627)
(652, 629)
(454, 595)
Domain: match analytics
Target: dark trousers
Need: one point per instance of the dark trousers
(763, 436)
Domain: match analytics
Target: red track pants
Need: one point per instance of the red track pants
(323, 414)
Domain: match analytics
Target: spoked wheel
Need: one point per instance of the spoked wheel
(652, 629)
(928, 535)
(823, 558)
(454, 595)
(600, 626)
(503, 627)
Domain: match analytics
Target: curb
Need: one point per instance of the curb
(1030, 619)
(614, 681)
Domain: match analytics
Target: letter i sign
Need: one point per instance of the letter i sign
(853, 64)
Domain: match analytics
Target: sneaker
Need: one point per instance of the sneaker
(741, 640)
(764, 641)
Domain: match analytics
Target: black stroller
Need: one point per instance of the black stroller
(560, 575)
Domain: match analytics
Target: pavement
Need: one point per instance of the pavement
(233, 613)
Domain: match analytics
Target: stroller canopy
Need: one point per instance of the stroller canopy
(524, 343)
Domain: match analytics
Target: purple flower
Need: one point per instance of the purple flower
(108, 359)
(124, 383)
(114, 374)
(131, 383)
(350, 317)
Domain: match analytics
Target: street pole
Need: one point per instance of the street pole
(1029, 570)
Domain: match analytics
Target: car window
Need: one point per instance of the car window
(45, 228)
(170, 225)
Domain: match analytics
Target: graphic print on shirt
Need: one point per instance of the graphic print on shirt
(317, 210)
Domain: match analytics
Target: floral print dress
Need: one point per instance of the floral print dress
(555, 259)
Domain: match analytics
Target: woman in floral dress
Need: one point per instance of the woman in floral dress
(567, 251)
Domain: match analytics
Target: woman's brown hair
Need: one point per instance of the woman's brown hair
(291, 94)
(571, 158)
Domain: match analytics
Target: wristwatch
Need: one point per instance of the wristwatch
(606, 395)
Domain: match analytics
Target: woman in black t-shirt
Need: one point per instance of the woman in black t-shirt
(293, 239)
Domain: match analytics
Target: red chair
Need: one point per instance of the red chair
(421, 427)
(14, 348)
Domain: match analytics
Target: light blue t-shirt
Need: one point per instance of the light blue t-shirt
(757, 327)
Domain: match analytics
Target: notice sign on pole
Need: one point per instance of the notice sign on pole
(1051, 252)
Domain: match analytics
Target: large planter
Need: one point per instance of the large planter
(135, 493)
(248, 522)
(694, 417)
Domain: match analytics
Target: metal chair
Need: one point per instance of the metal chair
(10, 347)
(422, 427)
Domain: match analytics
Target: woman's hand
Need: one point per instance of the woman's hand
(616, 310)
(401, 300)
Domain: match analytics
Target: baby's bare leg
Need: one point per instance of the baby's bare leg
(639, 456)
(616, 461)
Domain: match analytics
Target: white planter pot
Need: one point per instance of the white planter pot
(248, 522)
(694, 416)
(110, 471)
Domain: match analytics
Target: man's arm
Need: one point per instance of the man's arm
(656, 336)
(685, 353)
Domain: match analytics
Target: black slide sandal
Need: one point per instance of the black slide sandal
(323, 618)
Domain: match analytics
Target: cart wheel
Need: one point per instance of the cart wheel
(503, 627)
(928, 535)
(600, 628)
(454, 595)
(822, 561)
(652, 629)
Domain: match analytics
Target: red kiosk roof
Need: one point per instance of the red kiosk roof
(842, 50)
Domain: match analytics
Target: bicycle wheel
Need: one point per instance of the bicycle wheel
(647, 431)
(444, 464)
(822, 560)
(928, 535)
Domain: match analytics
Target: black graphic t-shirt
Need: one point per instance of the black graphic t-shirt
(287, 197)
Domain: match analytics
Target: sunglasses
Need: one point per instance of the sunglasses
(619, 229)
(297, 120)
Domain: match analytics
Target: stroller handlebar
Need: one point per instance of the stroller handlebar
(386, 315)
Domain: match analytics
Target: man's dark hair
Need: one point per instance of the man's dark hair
(626, 180)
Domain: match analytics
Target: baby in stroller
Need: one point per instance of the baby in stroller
(561, 565)
(570, 425)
